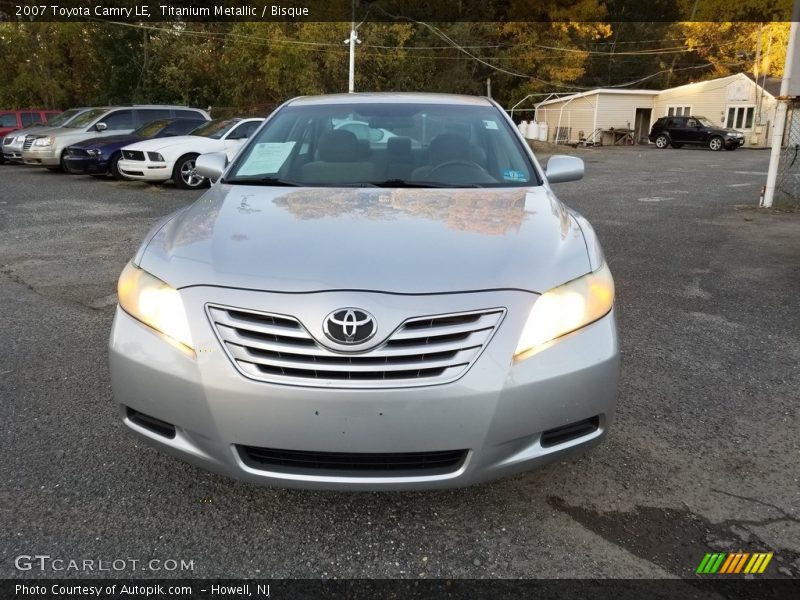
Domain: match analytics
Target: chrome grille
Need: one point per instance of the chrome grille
(133, 154)
(26, 145)
(421, 351)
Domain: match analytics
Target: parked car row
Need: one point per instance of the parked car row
(128, 142)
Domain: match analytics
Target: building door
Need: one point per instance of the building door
(641, 127)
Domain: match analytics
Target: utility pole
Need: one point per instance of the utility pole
(352, 40)
(781, 109)
(489, 87)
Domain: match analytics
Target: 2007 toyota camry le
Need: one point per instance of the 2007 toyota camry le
(380, 291)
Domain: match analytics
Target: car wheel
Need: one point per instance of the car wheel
(715, 143)
(676, 145)
(113, 167)
(184, 174)
(662, 142)
(63, 162)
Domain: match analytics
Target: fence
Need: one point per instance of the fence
(787, 184)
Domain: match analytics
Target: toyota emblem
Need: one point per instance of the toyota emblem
(349, 326)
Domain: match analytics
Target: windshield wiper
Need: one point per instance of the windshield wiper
(404, 183)
(276, 181)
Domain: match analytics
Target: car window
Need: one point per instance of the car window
(440, 145)
(245, 130)
(118, 120)
(182, 126)
(692, 123)
(146, 115)
(29, 118)
(189, 114)
(86, 119)
(214, 129)
(151, 129)
(64, 117)
(8, 120)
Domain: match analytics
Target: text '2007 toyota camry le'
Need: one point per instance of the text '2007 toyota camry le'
(381, 291)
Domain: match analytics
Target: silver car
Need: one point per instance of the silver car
(334, 313)
(13, 142)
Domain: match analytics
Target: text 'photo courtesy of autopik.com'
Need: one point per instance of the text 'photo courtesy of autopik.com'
(364, 299)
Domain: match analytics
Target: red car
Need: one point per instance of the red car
(18, 119)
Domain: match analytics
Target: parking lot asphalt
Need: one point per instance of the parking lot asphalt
(703, 456)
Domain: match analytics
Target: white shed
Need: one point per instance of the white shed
(617, 116)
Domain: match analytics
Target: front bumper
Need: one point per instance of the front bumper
(497, 411)
(734, 142)
(80, 165)
(12, 152)
(47, 156)
(145, 170)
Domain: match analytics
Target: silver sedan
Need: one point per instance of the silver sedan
(339, 313)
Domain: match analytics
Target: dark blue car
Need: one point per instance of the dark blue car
(99, 156)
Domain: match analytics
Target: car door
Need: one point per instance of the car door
(237, 136)
(117, 122)
(694, 131)
(677, 129)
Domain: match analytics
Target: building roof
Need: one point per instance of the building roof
(772, 86)
(598, 91)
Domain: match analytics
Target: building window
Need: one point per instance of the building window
(740, 117)
(679, 111)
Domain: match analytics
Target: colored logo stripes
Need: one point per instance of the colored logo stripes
(735, 562)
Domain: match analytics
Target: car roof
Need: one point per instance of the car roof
(391, 97)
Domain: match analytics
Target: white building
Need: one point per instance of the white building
(618, 116)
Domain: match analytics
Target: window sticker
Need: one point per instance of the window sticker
(490, 124)
(512, 175)
(266, 158)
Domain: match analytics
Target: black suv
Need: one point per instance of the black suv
(676, 131)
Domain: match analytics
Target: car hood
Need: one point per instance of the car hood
(158, 144)
(392, 240)
(27, 130)
(113, 140)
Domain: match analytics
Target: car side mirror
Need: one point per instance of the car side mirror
(561, 168)
(211, 165)
(101, 127)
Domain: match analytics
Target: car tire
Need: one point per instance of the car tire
(62, 162)
(183, 174)
(662, 142)
(676, 145)
(716, 143)
(113, 167)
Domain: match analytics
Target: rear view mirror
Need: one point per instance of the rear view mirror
(101, 126)
(562, 168)
(211, 165)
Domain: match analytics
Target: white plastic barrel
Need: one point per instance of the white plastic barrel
(533, 131)
(543, 131)
(523, 128)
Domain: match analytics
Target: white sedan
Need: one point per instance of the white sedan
(161, 159)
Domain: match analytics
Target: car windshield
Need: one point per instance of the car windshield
(388, 145)
(62, 118)
(151, 129)
(704, 122)
(86, 118)
(214, 129)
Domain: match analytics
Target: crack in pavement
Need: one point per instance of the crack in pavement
(677, 539)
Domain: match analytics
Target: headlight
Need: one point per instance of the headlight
(155, 157)
(19, 139)
(44, 141)
(567, 308)
(154, 303)
(93, 152)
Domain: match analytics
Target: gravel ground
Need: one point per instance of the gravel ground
(703, 456)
